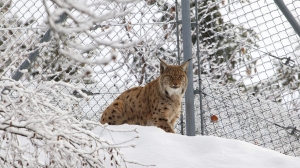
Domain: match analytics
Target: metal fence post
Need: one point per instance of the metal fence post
(199, 70)
(187, 53)
(286, 12)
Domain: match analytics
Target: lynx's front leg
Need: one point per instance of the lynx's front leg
(174, 120)
(163, 124)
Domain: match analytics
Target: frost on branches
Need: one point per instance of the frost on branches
(85, 24)
(37, 127)
(37, 130)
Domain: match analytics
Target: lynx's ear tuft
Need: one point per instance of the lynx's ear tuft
(163, 66)
(185, 65)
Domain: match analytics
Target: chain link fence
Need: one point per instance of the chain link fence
(245, 62)
(249, 72)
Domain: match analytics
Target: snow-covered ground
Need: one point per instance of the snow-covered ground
(166, 150)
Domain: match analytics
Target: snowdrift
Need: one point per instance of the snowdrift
(166, 150)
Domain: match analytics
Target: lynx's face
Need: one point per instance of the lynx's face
(173, 79)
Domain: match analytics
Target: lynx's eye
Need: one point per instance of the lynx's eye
(180, 77)
(171, 77)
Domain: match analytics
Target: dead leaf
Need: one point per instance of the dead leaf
(214, 118)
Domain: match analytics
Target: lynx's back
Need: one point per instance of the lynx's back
(158, 103)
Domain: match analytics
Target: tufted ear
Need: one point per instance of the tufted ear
(185, 65)
(163, 66)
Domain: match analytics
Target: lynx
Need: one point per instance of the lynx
(158, 103)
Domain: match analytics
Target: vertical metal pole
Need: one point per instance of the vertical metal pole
(199, 69)
(187, 54)
(178, 59)
(286, 12)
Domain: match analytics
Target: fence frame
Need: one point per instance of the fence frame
(286, 12)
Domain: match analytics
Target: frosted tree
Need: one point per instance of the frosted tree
(233, 109)
(12, 39)
(223, 45)
(282, 83)
(18, 39)
(221, 42)
(37, 127)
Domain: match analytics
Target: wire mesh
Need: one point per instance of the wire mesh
(248, 57)
(245, 52)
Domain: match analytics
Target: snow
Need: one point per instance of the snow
(167, 150)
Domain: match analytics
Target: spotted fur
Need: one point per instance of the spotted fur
(158, 103)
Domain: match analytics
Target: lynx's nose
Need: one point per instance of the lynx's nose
(175, 86)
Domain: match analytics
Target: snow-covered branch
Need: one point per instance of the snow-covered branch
(37, 123)
(83, 20)
(37, 129)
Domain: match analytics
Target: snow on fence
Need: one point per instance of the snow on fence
(245, 60)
